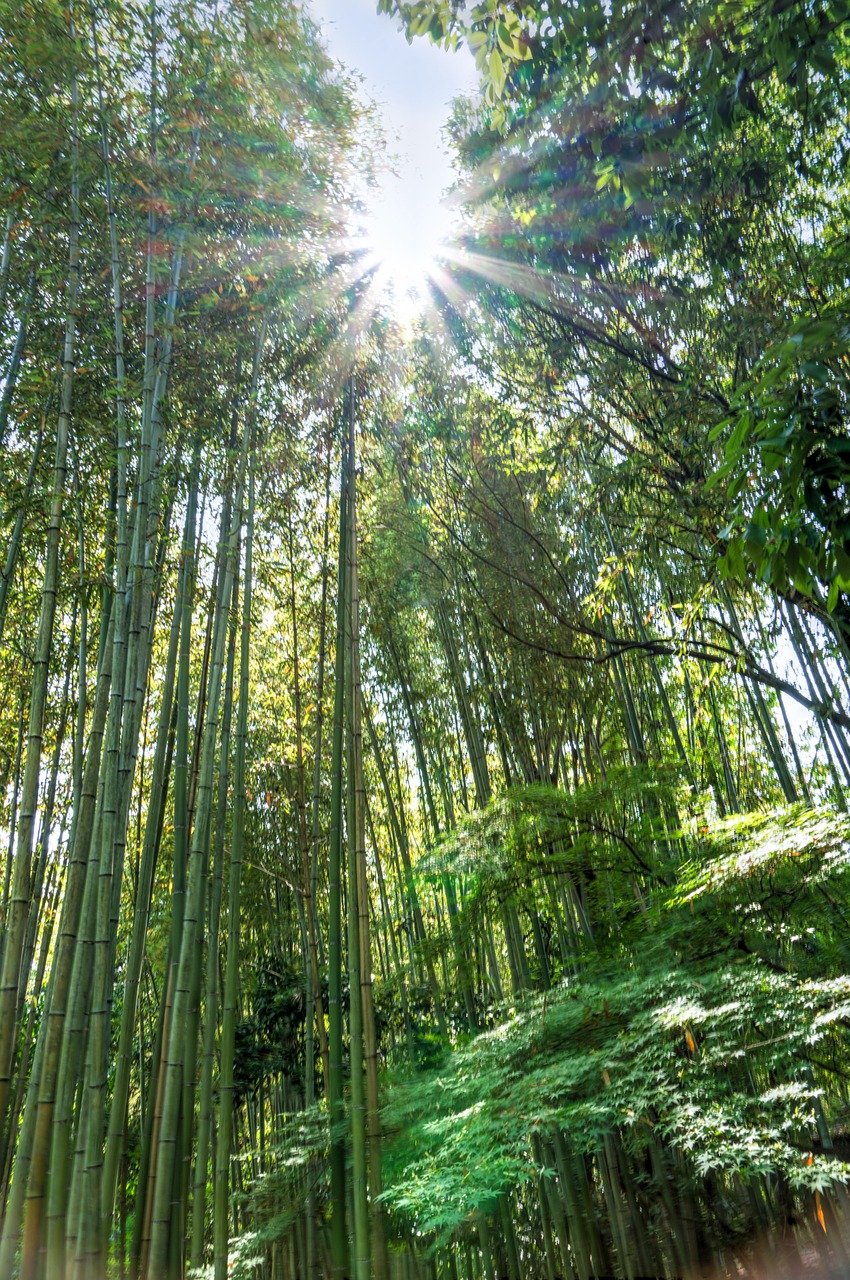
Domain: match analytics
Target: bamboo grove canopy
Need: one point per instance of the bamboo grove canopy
(425, 745)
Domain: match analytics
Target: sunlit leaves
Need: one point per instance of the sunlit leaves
(642, 1055)
(806, 844)
(709, 1057)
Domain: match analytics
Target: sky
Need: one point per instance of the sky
(413, 84)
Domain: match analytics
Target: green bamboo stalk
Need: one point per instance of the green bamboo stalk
(181, 744)
(408, 883)
(30, 1174)
(361, 1255)
(116, 1133)
(205, 1115)
(52, 894)
(339, 1245)
(121, 548)
(313, 994)
(315, 1013)
(229, 1012)
(357, 838)
(165, 1153)
(460, 957)
(43, 846)
(19, 902)
(398, 966)
(13, 817)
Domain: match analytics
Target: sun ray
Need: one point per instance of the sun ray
(402, 236)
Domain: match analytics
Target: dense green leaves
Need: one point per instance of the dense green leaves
(712, 1057)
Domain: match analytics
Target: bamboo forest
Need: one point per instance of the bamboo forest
(425, 709)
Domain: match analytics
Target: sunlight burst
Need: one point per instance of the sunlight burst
(404, 235)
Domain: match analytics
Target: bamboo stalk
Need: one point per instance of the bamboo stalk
(19, 901)
(339, 1244)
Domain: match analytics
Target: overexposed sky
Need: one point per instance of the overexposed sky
(413, 84)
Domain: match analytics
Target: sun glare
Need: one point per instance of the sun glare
(403, 236)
